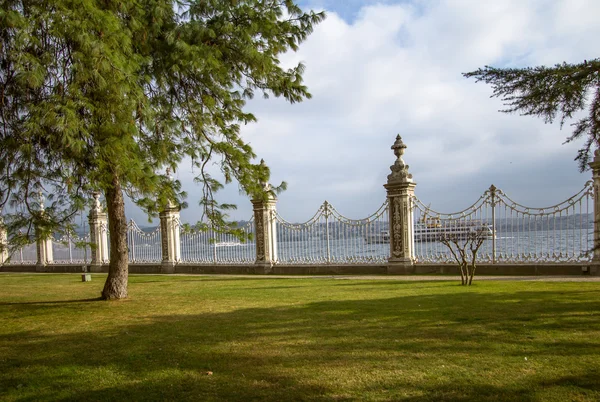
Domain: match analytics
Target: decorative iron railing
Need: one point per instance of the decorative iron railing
(211, 247)
(144, 246)
(71, 250)
(331, 238)
(24, 255)
(513, 233)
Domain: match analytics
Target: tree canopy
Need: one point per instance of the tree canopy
(558, 92)
(104, 95)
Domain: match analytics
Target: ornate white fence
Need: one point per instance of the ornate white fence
(144, 246)
(211, 247)
(402, 232)
(331, 238)
(71, 250)
(514, 233)
(24, 255)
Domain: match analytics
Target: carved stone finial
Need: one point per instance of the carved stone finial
(97, 206)
(399, 147)
(41, 200)
(399, 168)
(266, 186)
(169, 173)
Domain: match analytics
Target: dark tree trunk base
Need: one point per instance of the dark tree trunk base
(115, 288)
(118, 268)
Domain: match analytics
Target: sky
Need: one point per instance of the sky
(381, 68)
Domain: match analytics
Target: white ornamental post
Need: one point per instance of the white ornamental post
(265, 232)
(98, 220)
(3, 243)
(169, 231)
(171, 244)
(400, 189)
(44, 244)
(595, 165)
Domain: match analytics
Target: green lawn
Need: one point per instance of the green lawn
(298, 339)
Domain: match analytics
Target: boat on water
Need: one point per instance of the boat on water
(378, 238)
(229, 244)
(434, 229)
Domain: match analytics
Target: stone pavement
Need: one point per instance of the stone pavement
(538, 278)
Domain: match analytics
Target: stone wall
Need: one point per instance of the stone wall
(364, 269)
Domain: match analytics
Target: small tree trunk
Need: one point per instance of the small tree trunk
(472, 273)
(464, 268)
(118, 268)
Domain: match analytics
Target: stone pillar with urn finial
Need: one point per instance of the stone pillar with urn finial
(3, 243)
(43, 243)
(265, 230)
(595, 165)
(169, 230)
(98, 220)
(400, 189)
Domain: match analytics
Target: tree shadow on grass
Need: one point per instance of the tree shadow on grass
(401, 348)
(57, 302)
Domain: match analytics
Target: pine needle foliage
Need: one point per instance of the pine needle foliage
(104, 95)
(552, 93)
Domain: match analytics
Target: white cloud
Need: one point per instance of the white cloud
(396, 68)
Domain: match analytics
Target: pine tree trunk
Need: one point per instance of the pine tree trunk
(118, 268)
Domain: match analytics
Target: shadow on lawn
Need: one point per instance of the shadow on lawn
(389, 349)
(57, 302)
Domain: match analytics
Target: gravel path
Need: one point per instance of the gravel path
(539, 278)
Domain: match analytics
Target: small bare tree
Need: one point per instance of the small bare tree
(464, 248)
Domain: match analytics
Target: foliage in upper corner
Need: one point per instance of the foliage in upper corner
(92, 91)
(550, 93)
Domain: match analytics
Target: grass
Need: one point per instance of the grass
(298, 339)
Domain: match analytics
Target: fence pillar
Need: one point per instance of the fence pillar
(98, 221)
(3, 243)
(266, 233)
(400, 190)
(44, 254)
(171, 244)
(43, 243)
(595, 165)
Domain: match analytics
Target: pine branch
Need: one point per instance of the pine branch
(551, 93)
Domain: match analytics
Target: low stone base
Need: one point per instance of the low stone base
(263, 269)
(325, 269)
(41, 268)
(400, 269)
(96, 267)
(167, 267)
(400, 266)
(86, 277)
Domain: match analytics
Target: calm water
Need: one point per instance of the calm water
(556, 245)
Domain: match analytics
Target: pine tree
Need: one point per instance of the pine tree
(550, 93)
(104, 95)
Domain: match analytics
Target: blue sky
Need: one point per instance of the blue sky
(377, 69)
